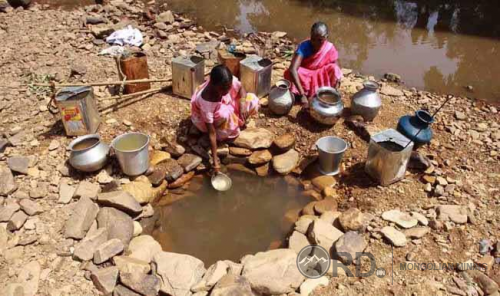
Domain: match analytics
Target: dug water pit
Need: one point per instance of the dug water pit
(254, 215)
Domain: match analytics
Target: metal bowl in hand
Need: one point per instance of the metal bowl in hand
(221, 182)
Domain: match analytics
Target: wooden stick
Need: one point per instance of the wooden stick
(105, 83)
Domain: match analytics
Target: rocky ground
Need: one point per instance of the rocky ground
(68, 233)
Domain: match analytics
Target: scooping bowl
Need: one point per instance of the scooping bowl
(221, 182)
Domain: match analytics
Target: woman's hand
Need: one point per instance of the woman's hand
(243, 110)
(216, 166)
(304, 101)
(212, 135)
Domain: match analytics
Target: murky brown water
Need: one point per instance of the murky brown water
(247, 219)
(435, 45)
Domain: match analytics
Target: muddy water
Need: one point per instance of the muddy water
(211, 226)
(436, 45)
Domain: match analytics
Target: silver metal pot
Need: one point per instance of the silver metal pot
(88, 153)
(367, 102)
(281, 98)
(326, 106)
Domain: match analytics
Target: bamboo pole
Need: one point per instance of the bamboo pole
(104, 83)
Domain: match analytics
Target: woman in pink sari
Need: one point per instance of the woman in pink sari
(314, 65)
(220, 107)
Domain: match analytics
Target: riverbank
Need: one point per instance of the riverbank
(39, 256)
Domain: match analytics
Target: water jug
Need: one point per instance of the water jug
(417, 128)
(367, 102)
(281, 98)
(326, 106)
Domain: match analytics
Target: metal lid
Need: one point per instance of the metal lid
(189, 61)
(393, 136)
(256, 62)
(70, 92)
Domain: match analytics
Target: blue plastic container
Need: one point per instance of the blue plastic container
(411, 125)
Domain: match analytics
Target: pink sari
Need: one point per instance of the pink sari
(225, 115)
(318, 70)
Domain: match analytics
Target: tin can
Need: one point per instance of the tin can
(388, 156)
(135, 67)
(187, 74)
(79, 113)
(256, 75)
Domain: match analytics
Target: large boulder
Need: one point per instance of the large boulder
(273, 272)
(286, 162)
(255, 138)
(232, 285)
(119, 224)
(81, 219)
(7, 184)
(178, 273)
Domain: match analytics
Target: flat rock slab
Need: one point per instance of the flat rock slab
(81, 219)
(454, 213)
(260, 157)
(417, 232)
(105, 279)
(297, 241)
(171, 168)
(30, 207)
(7, 183)
(324, 234)
(86, 248)
(7, 211)
(285, 142)
(211, 277)
(254, 138)
(401, 219)
(66, 193)
(395, 237)
(350, 243)
(128, 264)
(352, 220)
(87, 189)
(189, 162)
(144, 284)
(143, 247)
(178, 273)
(232, 284)
(273, 272)
(142, 192)
(120, 200)
(119, 224)
(286, 162)
(108, 250)
(238, 151)
(158, 157)
(302, 225)
(325, 205)
(309, 285)
(19, 164)
(17, 221)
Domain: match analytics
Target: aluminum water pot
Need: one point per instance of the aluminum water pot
(281, 98)
(88, 153)
(367, 102)
(326, 106)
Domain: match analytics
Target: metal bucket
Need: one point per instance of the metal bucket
(331, 150)
(131, 149)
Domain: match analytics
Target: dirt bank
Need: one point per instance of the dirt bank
(464, 154)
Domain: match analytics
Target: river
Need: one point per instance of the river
(436, 45)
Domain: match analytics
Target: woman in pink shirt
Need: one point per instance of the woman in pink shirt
(220, 107)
